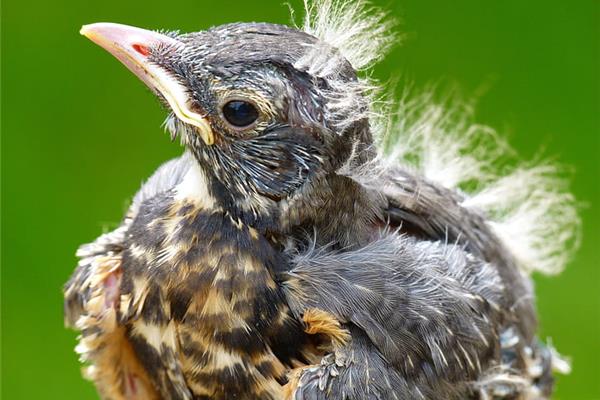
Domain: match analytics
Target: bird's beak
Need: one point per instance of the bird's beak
(131, 46)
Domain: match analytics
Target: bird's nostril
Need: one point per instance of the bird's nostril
(140, 48)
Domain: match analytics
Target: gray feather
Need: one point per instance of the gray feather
(429, 309)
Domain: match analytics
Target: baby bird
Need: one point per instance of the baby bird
(298, 251)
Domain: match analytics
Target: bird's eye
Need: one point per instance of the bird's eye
(240, 113)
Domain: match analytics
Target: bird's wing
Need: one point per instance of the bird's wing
(422, 317)
(433, 212)
(93, 300)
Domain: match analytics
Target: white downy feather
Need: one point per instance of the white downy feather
(528, 206)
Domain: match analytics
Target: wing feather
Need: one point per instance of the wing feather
(409, 304)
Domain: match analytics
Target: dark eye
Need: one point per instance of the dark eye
(240, 113)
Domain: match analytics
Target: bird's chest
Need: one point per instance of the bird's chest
(198, 288)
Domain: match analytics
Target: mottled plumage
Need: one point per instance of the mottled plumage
(310, 253)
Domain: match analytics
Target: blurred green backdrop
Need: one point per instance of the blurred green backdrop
(79, 133)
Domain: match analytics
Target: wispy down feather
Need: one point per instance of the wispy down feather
(362, 34)
(528, 206)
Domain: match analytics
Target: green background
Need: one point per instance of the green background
(79, 133)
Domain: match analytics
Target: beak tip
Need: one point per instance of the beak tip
(91, 30)
(98, 29)
(85, 30)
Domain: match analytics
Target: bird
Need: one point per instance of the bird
(311, 242)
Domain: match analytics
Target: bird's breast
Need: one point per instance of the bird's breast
(199, 284)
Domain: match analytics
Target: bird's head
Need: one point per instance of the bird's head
(265, 109)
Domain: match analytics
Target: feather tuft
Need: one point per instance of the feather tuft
(362, 33)
(534, 215)
(529, 207)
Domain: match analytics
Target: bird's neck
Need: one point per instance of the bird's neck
(202, 186)
(337, 211)
(196, 188)
(341, 210)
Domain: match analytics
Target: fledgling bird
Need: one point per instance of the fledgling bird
(298, 249)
